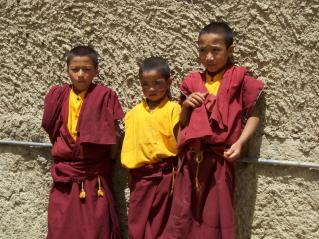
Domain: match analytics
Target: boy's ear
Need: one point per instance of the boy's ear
(96, 72)
(169, 81)
(231, 49)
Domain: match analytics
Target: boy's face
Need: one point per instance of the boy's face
(154, 86)
(81, 71)
(213, 52)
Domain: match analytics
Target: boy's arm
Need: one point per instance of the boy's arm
(250, 128)
(116, 147)
(194, 100)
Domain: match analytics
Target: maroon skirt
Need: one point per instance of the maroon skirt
(207, 212)
(72, 217)
(150, 199)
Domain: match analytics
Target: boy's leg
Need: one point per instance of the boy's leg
(161, 206)
(140, 204)
(74, 218)
(149, 205)
(217, 215)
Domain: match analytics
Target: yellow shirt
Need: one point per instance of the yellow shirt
(75, 105)
(212, 83)
(149, 135)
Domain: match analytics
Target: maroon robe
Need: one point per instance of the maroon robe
(208, 213)
(150, 199)
(82, 160)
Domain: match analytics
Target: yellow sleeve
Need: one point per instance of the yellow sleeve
(176, 112)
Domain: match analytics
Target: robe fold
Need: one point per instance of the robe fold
(81, 163)
(150, 199)
(213, 127)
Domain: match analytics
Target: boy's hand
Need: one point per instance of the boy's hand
(194, 100)
(233, 152)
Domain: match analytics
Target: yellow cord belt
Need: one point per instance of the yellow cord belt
(198, 159)
(100, 192)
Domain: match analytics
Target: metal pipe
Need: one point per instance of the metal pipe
(279, 162)
(243, 160)
(25, 143)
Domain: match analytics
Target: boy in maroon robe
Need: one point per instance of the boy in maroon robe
(81, 120)
(218, 119)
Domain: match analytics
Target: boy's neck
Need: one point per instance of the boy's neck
(153, 104)
(213, 74)
(77, 91)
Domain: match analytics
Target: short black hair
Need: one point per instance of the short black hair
(82, 51)
(219, 28)
(155, 63)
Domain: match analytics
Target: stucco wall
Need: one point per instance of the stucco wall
(277, 40)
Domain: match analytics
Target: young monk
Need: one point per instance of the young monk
(218, 119)
(81, 120)
(149, 151)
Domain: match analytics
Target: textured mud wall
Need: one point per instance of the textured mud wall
(277, 40)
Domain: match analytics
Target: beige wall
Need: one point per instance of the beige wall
(277, 40)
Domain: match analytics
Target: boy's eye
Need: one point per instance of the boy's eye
(158, 82)
(87, 69)
(83, 69)
(205, 50)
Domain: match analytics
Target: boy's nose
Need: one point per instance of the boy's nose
(209, 56)
(152, 88)
(80, 73)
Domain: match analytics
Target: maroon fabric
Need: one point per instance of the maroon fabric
(213, 128)
(150, 200)
(207, 214)
(225, 113)
(99, 111)
(82, 160)
(95, 217)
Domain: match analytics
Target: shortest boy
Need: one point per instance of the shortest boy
(81, 120)
(149, 151)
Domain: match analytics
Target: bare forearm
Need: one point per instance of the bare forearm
(185, 115)
(115, 148)
(194, 100)
(249, 129)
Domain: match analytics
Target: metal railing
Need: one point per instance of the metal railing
(243, 160)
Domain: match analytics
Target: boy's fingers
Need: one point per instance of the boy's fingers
(189, 103)
(195, 101)
(226, 154)
(201, 95)
(199, 98)
(204, 94)
(230, 154)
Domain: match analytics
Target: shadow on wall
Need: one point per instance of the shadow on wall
(247, 181)
(120, 179)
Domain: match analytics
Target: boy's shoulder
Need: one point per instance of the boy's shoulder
(58, 89)
(102, 89)
(136, 108)
(173, 104)
(193, 74)
(134, 112)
